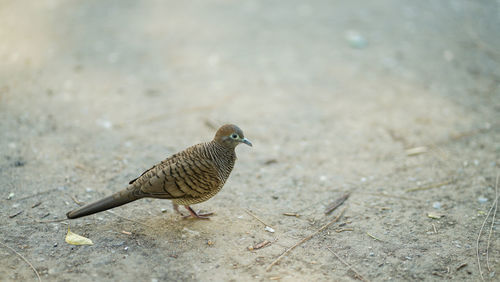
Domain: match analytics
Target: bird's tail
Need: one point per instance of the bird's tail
(113, 201)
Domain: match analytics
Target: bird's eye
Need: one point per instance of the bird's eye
(234, 136)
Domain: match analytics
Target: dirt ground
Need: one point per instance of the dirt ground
(394, 102)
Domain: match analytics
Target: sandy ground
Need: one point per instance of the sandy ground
(332, 94)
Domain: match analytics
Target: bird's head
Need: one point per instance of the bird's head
(230, 135)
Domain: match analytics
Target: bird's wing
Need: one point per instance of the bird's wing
(187, 177)
(172, 158)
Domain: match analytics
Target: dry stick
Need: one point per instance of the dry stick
(21, 256)
(477, 241)
(305, 239)
(337, 203)
(492, 223)
(348, 265)
(80, 203)
(374, 237)
(254, 216)
(430, 186)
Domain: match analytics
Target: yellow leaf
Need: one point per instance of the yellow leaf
(75, 239)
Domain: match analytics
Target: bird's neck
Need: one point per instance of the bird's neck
(224, 157)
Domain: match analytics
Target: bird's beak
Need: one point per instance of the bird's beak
(246, 141)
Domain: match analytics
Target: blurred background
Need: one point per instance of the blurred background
(331, 93)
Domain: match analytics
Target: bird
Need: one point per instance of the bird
(189, 177)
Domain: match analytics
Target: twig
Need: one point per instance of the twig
(435, 230)
(374, 237)
(343, 229)
(337, 203)
(305, 239)
(21, 256)
(348, 265)
(495, 203)
(461, 266)
(430, 186)
(291, 214)
(15, 214)
(46, 221)
(479, 236)
(260, 220)
(80, 203)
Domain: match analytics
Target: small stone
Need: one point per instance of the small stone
(355, 39)
(104, 123)
(11, 195)
(163, 210)
(55, 244)
(482, 200)
(436, 205)
(126, 248)
(269, 229)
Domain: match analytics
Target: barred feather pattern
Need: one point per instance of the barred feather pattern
(188, 177)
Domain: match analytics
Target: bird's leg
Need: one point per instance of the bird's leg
(176, 208)
(197, 215)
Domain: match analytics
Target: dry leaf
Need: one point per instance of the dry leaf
(75, 239)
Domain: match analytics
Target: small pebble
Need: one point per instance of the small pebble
(269, 229)
(104, 123)
(126, 248)
(436, 205)
(482, 200)
(356, 40)
(55, 245)
(163, 210)
(11, 195)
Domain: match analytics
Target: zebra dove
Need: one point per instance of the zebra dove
(189, 177)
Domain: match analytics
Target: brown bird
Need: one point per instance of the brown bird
(189, 177)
